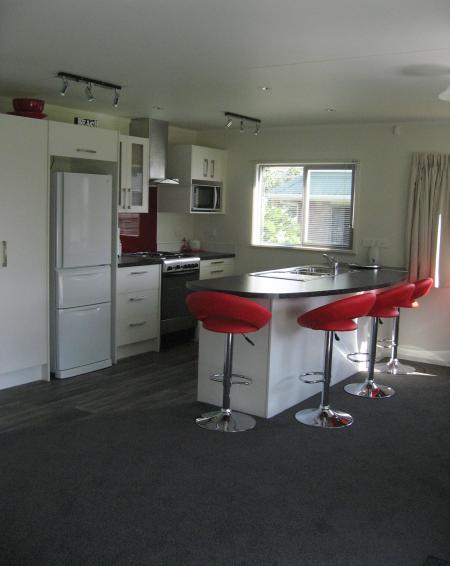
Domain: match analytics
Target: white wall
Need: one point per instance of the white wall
(380, 208)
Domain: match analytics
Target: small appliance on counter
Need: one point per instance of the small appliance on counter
(80, 273)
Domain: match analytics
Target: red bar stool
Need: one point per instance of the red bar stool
(393, 366)
(230, 315)
(386, 306)
(334, 317)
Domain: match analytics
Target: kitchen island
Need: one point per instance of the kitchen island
(283, 350)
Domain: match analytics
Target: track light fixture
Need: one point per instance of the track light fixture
(90, 83)
(242, 121)
(445, 95)
(116, 98)
(64, 87)
(89, 93)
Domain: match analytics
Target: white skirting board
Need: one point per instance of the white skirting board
(27, 375)
(439, 358)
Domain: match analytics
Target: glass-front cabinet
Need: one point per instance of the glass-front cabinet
(134, 161)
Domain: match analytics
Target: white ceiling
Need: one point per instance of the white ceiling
(383, 60)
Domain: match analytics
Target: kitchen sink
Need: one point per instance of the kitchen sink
(300, 273)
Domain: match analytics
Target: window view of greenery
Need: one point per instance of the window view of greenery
(303, 205)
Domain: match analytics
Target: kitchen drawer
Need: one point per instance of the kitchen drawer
(70, 140)
(138, 322)
(137, 304)
(212, 268)
(138, 278)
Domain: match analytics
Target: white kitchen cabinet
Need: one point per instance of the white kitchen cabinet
(134, 174)
(23, 250)
(138, 306)
(71, 140)
(187, 162)
(213, 268)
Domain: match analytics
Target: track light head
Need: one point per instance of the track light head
(229, 122)
(89, 90)
(445, 95)
(64, 87)
(242, 128)
(243, 120)
(116, 98)
(257, 128)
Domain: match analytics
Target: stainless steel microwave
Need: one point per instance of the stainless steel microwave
(206, 197)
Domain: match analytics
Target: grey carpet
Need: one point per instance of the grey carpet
(147, 487)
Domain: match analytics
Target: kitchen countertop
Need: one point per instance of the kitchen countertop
(132, 260)
(347, 282)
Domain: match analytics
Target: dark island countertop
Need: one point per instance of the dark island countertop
(348, 282)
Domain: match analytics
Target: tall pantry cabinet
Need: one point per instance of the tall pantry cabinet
(23, 250)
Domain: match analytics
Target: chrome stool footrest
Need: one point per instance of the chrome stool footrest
(358, 357)
(306, 379)
(236, 379)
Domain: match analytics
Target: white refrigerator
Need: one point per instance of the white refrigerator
(81, 252)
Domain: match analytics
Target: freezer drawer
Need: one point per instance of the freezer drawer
(83, 286)
(83, 336)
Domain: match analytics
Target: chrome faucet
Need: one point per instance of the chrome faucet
(334, 264)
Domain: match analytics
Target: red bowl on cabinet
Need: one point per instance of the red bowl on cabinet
(28, 105)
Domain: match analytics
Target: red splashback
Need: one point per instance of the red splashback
(143, 225)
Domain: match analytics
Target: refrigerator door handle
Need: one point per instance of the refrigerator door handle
(4, 253)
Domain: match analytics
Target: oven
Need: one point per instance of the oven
(174, 312)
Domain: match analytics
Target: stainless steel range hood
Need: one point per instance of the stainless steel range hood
(157, 131)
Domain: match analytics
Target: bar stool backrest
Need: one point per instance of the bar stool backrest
(338, 315)
(387, 302)
(422, 288)
(223, 312)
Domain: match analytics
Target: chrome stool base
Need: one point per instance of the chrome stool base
(369, 390)
(226, 421)
(394, 367)
(324, 417)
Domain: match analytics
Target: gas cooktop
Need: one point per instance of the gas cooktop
(171, 261)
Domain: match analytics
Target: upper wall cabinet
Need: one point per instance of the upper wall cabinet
(134, 161)
(187, 162)
(70, 140)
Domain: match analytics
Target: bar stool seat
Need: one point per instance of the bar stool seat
(386, 306)
(334, 317)
(230, 315)
(393, 366)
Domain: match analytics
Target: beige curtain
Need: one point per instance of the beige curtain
(428, 220)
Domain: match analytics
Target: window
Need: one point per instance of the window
(300, 205)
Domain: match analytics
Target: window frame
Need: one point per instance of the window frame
(307, 165)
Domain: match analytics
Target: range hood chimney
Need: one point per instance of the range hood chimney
(157, 132)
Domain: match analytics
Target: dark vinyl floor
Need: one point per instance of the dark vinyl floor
(110, 469)
(152, 380)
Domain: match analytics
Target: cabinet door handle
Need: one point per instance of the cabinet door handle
(138, 272)
(217, 262)
(213, 166)
(129, 198)
(82, 150)
(217, 271)
(136, 299)
(124, 198)
(132, 324)
(205, 167)
(4, 253)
